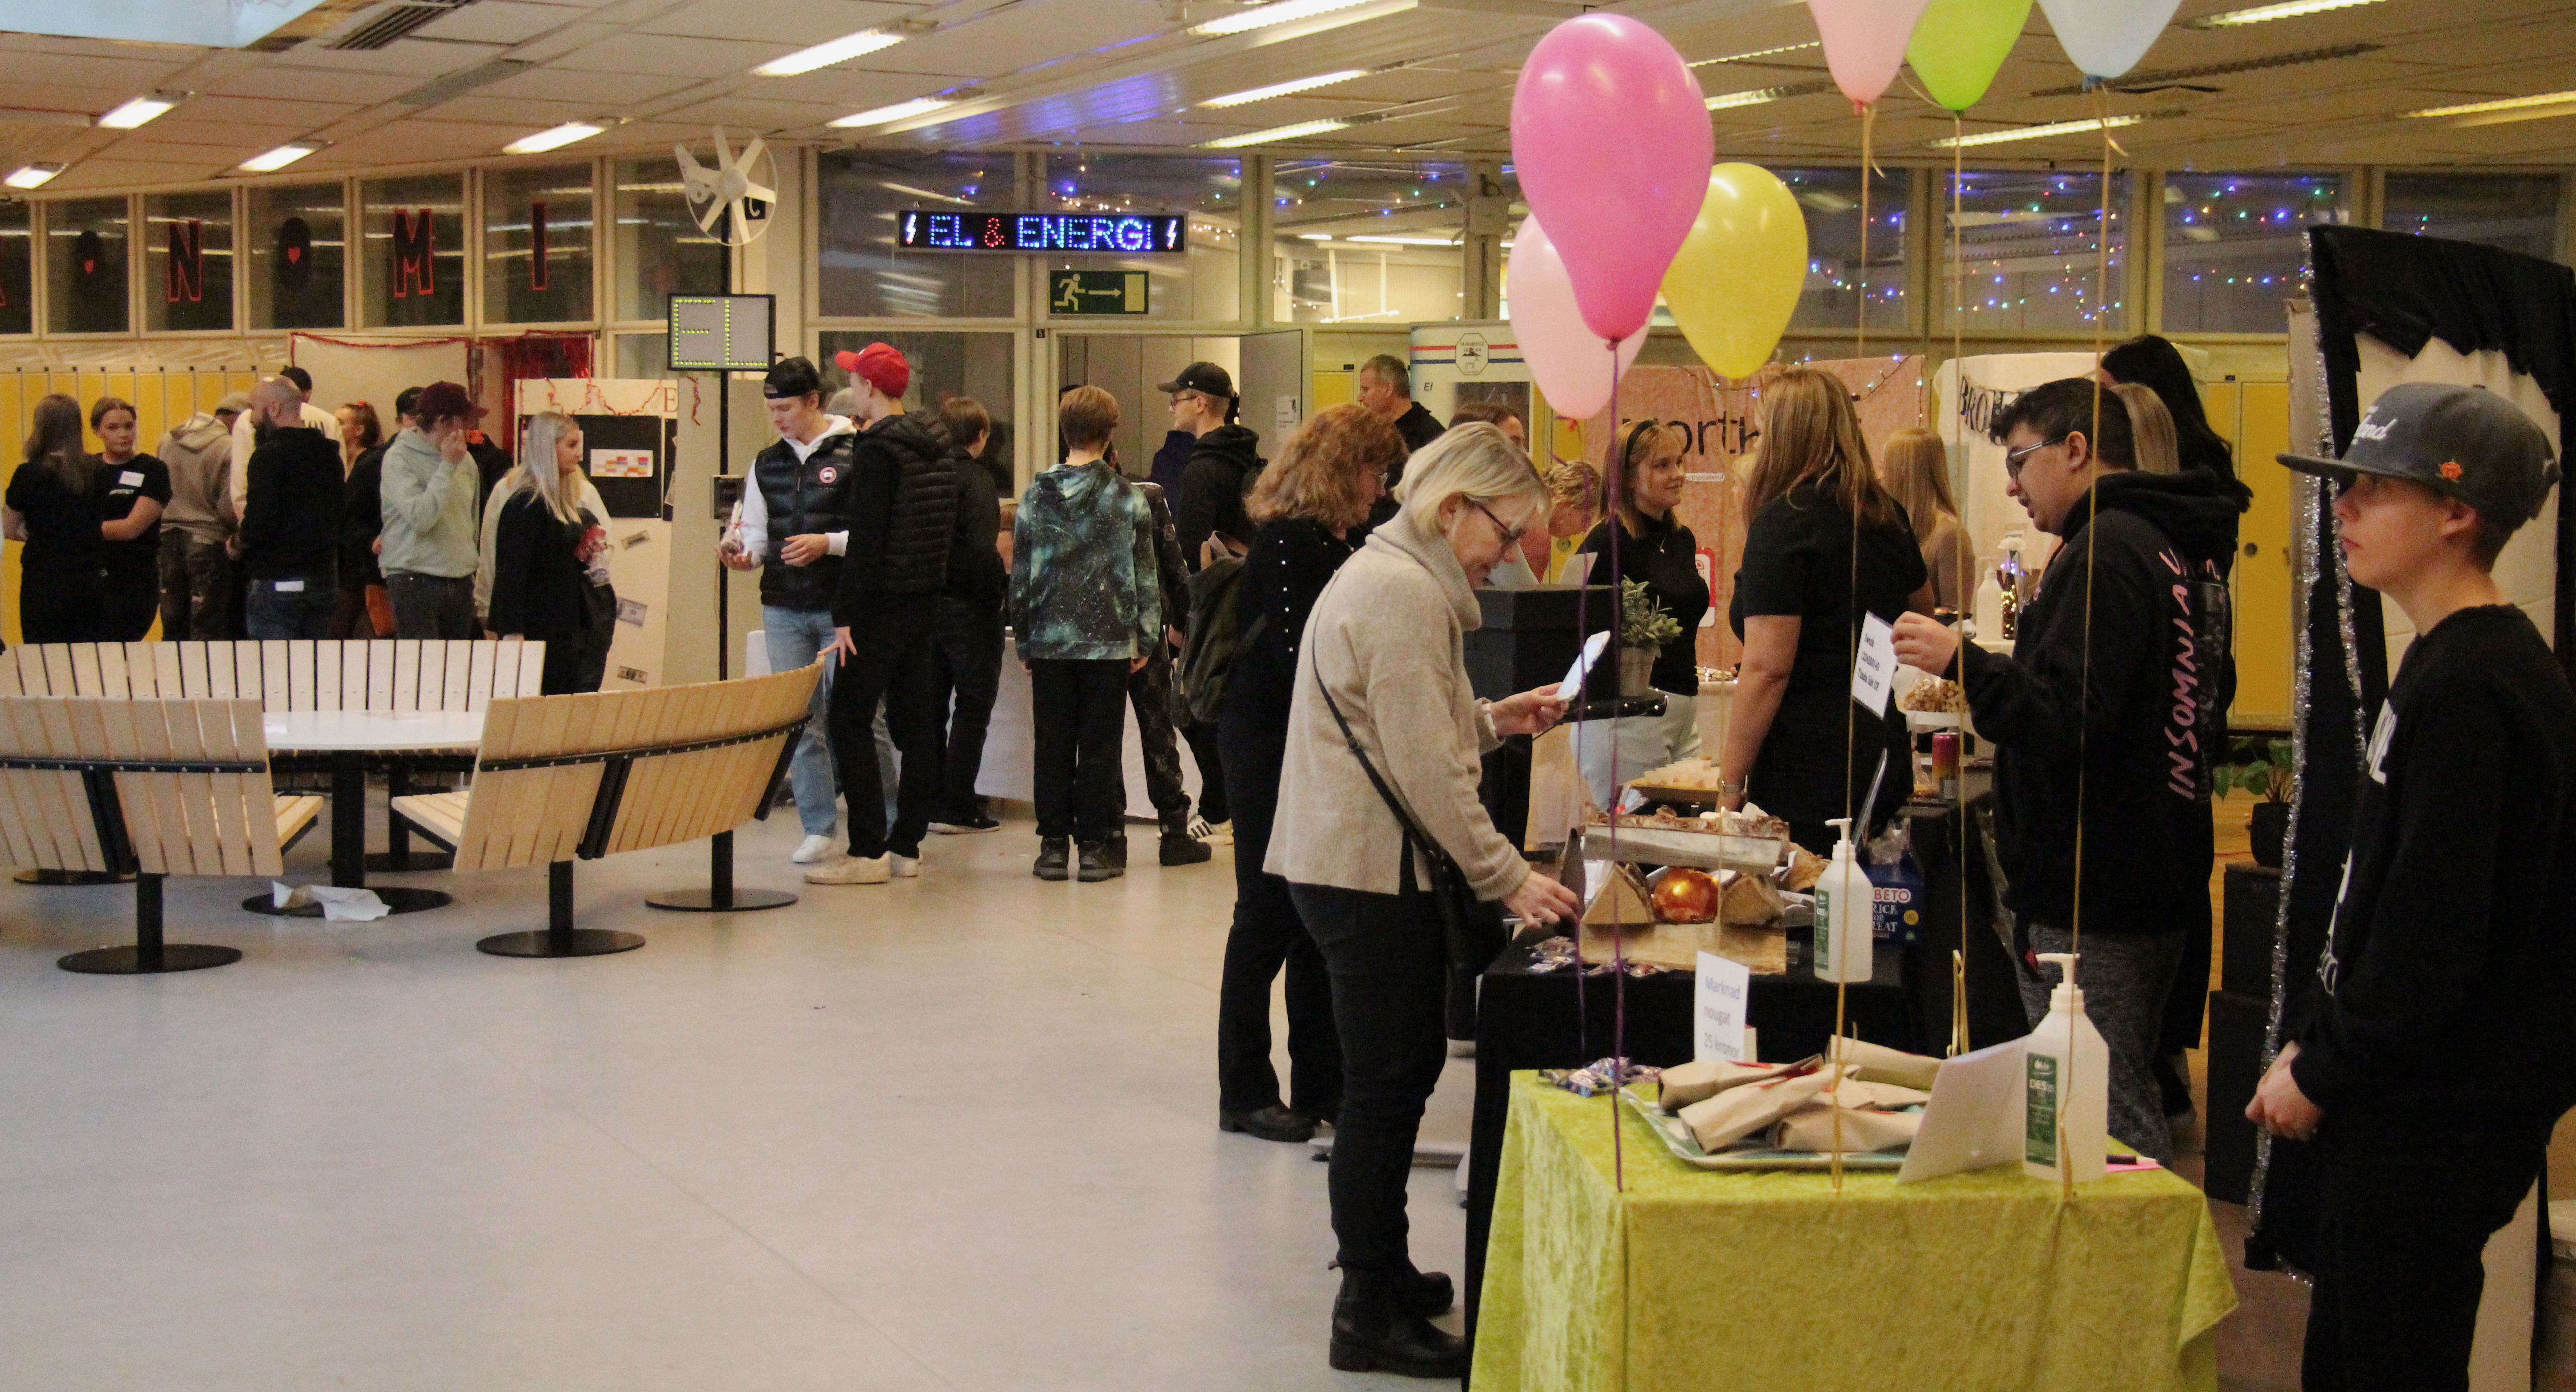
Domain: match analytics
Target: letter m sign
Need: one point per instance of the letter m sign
(415, 254)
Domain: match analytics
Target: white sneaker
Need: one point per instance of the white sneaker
(813, 850)
(1218, 833)
(850, 870)
(903, 867)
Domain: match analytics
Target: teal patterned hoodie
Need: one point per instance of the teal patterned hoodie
(1083, 583)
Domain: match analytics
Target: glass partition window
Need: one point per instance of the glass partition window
(944, 365)
(413, 258)
(2030, 247)
(188, 262)
(1207, 283)
(643, 355)
(2236, 245)
(1839, 277)
(2518, 212)
(85, 249)
(864, 276)
(297, 238)
(17, 266)
(1366, 241)
(660, 250)
(537, 245)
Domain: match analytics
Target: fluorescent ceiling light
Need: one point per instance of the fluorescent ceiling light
(932, 194)
(1759, 95)
(1281, 89)
(34, 175)
(824, 55)
(553, 138)
(278, 158)
(1264, 137)
(879, 115)
(137, 111)
(2265, 14)
(1998, 137)
(1819, 43)
(1405, 241)
(2503, 104)
(1277, 12)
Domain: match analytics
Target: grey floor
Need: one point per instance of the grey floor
(951, 1133)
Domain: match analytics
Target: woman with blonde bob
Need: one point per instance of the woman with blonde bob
(1332, 471)
(1574, 504)
(1797, 744)
(1915, 471)
(1384, 655)
(549, 553)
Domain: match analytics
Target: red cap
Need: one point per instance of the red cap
(878, 365)
(440, 400)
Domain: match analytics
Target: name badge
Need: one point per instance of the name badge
(290, 587)
(131, 478)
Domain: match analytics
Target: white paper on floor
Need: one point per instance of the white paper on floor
(338, 905)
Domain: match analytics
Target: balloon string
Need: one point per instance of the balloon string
(1868, 124)
(1618, 934)
(1959, 1040)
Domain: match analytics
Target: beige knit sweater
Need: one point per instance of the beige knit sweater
(1388, 637)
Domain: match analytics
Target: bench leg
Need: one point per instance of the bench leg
(149, 953)
(560, 938)
(398, 856)
(719, 896)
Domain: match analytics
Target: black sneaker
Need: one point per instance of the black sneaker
(1054, 855)
(1103, 860)
(1181, 848)
(965, 825)
(1272, 1123)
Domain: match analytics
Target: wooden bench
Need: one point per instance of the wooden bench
(402, 675)
(147, 788)
(561, 778)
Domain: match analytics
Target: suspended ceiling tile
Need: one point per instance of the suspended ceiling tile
(607, 90)
(847, 88)
(106, 80)
(501, 21)
(269, 81)
(743, 113)
(665, 56)
(114, 174)
(1074, 30)
(798, 22)
(519, 112)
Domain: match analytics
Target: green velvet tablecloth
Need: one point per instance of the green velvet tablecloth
(1750, 1282)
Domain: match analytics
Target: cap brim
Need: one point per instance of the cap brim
(2338, 470)
(1172, 386)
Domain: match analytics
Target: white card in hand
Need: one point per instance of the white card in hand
(1572, 687)
(1874, 666)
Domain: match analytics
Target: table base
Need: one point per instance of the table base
(401, 901)
(560, 942)
(708, 901)
(404, 862)
(137, 961)
(72, 877)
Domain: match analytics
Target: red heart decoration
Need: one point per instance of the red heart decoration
(89, 268)
(294, 255)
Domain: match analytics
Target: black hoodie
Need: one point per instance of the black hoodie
(1221, 469)
(904, 511)
(2154, 723)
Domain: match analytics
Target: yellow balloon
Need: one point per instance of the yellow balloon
(1741, 270)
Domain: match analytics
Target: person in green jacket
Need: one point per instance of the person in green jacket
(430, 491)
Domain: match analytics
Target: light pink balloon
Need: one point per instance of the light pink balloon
(1611, 139)
(1570, 363)
(1865, 42)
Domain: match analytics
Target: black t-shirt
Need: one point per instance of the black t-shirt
(62, 525)
(1798, 561)
(119, 485)
(1665, 558)
(2445, 985)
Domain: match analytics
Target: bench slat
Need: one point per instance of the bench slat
(380, 674)
(113, 678)
(406, 675)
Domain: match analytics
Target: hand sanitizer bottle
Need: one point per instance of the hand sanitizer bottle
(1844, 913)
(2067, 1087)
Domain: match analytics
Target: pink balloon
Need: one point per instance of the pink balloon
(1570, 363)
(1611, 138)
(1865, 42)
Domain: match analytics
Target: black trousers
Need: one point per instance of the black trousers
(63, 604)
(1149, 689)
(2402, 1228)
(966, 661)
(1207, 749)
(1077, 719)
(199, 590)
(1389, 962)
(1267, 936)
(893, 666)
(133, 599)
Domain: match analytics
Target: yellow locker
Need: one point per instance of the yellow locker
(1335, 387)
(2255, 419)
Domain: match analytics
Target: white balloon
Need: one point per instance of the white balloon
(2106, 38)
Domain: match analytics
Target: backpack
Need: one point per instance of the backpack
(1215, 638)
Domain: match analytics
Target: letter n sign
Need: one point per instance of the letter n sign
(537, 245)
(415, 253)
(187, 277)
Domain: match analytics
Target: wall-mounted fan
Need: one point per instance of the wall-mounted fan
(731, 201)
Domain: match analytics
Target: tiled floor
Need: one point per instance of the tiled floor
(951, 1133)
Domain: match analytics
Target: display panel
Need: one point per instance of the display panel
(1127, 234)
(722, 333)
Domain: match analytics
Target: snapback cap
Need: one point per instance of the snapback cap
(2463, 442)
(1205, 378)
(790, 377)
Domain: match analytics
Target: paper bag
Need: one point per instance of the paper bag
(1878, 1063)
(1738, 1112)
(1686, 1083)
(1812, 1128)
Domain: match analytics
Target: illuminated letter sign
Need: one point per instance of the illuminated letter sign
(536, 246)
(1114, 234)
(187, 276)
(415, 253)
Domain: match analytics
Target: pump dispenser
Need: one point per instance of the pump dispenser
(2066, 1076)
(1844, 913)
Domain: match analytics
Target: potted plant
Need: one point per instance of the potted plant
(2267, 766)
(1645, 626)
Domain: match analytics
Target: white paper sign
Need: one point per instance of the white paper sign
(1717, 1027)
(1874, 667)
(621, 463)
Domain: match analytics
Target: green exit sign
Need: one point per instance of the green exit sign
(1096, 292)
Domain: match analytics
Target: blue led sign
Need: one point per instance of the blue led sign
(1117, 234)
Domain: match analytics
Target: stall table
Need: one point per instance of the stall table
(348, 737)
(1756, 1282)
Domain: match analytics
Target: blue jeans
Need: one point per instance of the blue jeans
(272, 610)
(793, 637)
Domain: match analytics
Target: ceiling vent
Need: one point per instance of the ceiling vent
(464, 80)
(396, 22)
(2167, 77)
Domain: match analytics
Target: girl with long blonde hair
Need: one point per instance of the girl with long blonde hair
(1915, 470)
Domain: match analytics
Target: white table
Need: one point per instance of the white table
(348, 737)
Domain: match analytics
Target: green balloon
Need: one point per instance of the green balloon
(1961, 44)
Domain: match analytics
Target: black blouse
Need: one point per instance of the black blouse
(1666, 557)
(62, 525)
(1283, 575)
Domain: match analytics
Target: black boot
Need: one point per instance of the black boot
(1054, 853)
(1271, 1123)
(1428, 1293)
(1103, 860)
(1181, 848)
(1376, 1330)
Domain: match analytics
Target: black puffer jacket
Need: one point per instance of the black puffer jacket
(803, 498)
(903, 514)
